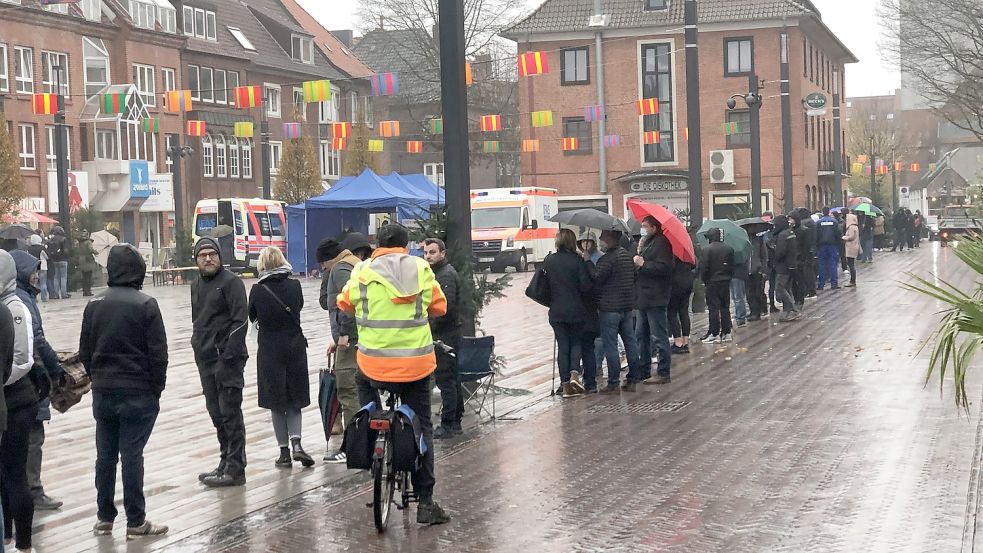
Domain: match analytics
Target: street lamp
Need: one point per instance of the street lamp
(753, 101)
(176, 153)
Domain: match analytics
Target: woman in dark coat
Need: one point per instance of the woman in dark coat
(570, 284)
(281, 364)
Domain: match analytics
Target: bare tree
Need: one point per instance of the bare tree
(938, 45)
(299, 177)
(11, 182)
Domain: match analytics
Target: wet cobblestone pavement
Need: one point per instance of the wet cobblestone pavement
(815, 436)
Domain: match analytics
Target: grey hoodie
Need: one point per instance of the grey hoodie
(23, 324)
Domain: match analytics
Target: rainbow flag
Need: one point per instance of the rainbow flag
(113, 102)
(414, 146)
(491, 123)
(648, 106)
(436, 126)
(44, 104)
(385, 84)
(530, 146)
(196, 128)
(176, 101)
(492, 146)
(389, 129)
(243, 129)
(291, 130)
(247, 96)
(612, 141)
(341, 130)
(376, 145)
(652, 137)
(542, 118)
(317, 91)
(151, 125)
(594, 112)
(532, 63)
(571, 144)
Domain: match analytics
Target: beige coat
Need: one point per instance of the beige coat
(852, 237)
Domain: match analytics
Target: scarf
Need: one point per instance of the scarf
(284, 270)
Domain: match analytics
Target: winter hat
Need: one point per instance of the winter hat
(354, 241)
(781, 223)
(207, 243)
(35, 240)
(715, 235)
(327, 250)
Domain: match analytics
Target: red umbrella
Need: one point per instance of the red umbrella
(672, 227)
(24, 216)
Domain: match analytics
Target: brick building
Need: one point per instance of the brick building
(643, 53)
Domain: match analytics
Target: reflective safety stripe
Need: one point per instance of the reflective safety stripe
(405, 352)
(419, 305)
(364, 291)
(368, 323)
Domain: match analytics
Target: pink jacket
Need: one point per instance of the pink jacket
(852, 237)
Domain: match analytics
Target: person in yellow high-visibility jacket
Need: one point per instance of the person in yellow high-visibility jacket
(392, 295)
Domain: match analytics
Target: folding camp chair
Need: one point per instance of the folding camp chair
(474, 365)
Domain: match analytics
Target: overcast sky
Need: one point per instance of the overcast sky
(855, 22)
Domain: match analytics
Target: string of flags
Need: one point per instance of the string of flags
(882, 168)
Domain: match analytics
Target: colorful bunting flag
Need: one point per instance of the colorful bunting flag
(882, 170)
(151, 125)
(731, 128)
(648, 106)
(341, 130)
(176, 101)
(686, 133)
(113, 102)
(385, 84)
(247, 96)
(436, 126)
(339, 143)
(492, 146)
(468, 79)
(44, 104)
(652, 137)
(317, 91)
(376, 145)
(612, 141)
(594, 113)
(243, 129)
(530, 146)
(571, 144)
(915, 167)
(491, 123)
(542, 118)
(862, 158)
(532, 63)
(898, 166)
(196, 128)
(389, 129)
(414, 146)
(291, 130)
(857, 168)
(931, 167)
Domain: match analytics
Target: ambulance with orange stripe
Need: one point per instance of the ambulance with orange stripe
(511, 227)
(255, 224)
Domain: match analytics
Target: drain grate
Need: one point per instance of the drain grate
(660, 407)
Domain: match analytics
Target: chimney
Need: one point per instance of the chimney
(346, 37)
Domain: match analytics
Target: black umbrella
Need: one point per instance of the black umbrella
(15, 232)
(634, 226)
(590, 218)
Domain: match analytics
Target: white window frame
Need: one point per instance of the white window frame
(233, 157)
(105, 144)
(211, 30)
(27, 146)
(89, 59)
(92, 10)
(143, 78)
(241, 38)
(353, 101)
(167, 17)
(188, 23)
(206, 85)
(434, 172)
(231, 82)
(4, 70)
(302, 49)
(143, 14)
(299, 105)
(168, 78)
(367, 112)
(207, 161)
(49, 153)
(639, 51)
(329, 115)
(199, 32)
(276, 152)
(47, 75)
(221, 88)
(330, 161)
(273, 99)
(196, 81)
(24, 82)
(57, 8)
(221, 168)
(167, 146)
(247, 158)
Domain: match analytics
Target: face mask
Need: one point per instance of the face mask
(644, 232)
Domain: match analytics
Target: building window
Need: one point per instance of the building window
(247, 158)
(367, 111)
(299, 105)
(890, 116)
(573, 66)
(199, 23)
(188, 20)
(738, 56)
(57, 8)
(233, 158)
(92, 9)
(143, 78)
(220, 167)
(232, 81)
(194, 82)
(49, 78)
(276, 150)
(168, 78)
(95, 65)
(26, 151)
(741, 138)
(4, 70)
(221, 89)
(207, 165)
(206, 85)
(105, 144)
(241, 38)
(330, 161)
(272, 100)
(657, 83)
(327, 111)
(211, 29)
(168, 142)
(577, 127)
(353, 114)
(143, 14)
(167, 16)
(24, 69)
(434, 172)
(301, 49)
(49, 153)
(652, 5)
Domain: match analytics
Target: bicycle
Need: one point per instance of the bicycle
(385, 479)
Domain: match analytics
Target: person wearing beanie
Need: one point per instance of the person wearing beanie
(220, 313)
(36, 248)
(337, 262)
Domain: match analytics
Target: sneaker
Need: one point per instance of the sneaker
(659, 380)
(591, 390)
(610, 389)
(676, 349)
(727, 337)
(710, 339)
(337, 458)
(683, 349)
(224, 481)
(102, 528)
(576, 383)
(705, 337)
(45, 503)
(431, 513)
(147, 529)
(628, 387)
(217, 471)
(442, 433)
(741, 323)
(570, 391)
(849, 285)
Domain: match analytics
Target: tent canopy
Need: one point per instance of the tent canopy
(426, 186)
(371, 192)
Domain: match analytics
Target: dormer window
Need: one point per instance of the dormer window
(199, 23)
(143, 14)
(301, 49)
(655, 5)
(166, 16)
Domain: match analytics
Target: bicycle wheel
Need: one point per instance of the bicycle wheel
(383, 486)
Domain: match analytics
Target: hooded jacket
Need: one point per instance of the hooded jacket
(57, 245)
(48, 362)
(6, 356)
(851, 237)
(614, 281)
(805, 231)
(784, 254)
(449, 324)
(655, 275)
(717, 260)
(220, 316)
(19, 392)
(123, 345)
(342, 323)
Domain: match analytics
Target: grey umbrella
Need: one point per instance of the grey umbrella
(590, 218)
(15, 232)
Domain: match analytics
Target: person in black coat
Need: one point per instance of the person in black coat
(683, 276)
(784, 256)
(614, 285)
(655, 264)
(219, 314)
(282, 381)
(716, 271)
(446, 329)
(123, 347)
(569, 284)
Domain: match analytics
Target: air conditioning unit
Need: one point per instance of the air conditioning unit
(721, 166)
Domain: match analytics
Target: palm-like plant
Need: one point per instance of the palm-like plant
(960, 333)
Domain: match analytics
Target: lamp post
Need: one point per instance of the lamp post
(753, 101)
(176, 153)
(61, 159)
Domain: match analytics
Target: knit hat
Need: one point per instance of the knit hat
(327, 250)
(35, 240)
(207, 243)
(354, 241)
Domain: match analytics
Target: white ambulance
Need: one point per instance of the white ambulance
(511, 227)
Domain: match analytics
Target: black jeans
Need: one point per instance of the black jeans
(568, 347)
(449, 382)
(783, 293)
(86, 283)
(223, 399)
(798, 285)
(679, 321)
(757, 301)
(718, 306)
(851, 264)
(124, 421)
(18, 505)
(417, 396)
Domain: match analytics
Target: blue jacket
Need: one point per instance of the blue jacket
(828, 232)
